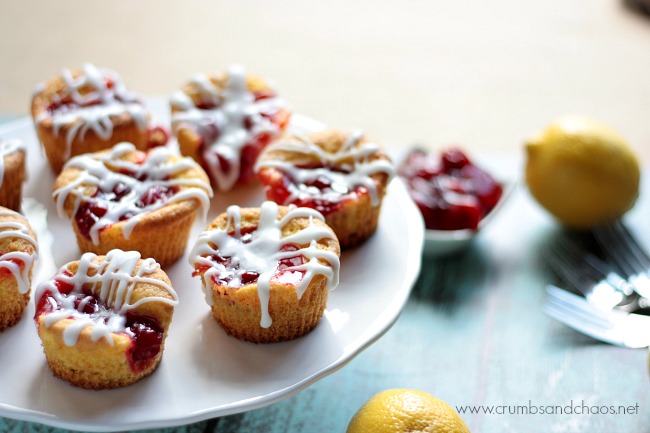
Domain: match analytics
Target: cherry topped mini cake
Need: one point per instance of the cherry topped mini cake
(18, 251)
(132, 200)
(85, 111)
(103, 320)
(267, 271)
(224, 121)
(342, 175)
(12, 173)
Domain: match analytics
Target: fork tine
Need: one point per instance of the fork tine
(578, 305)
(564, 316)
(633, 245)
(614, 327)
(621, 246)
(563, 265)
(577, 317)
(612, 245)
(568, 261)
(584, 259)
(584, 271)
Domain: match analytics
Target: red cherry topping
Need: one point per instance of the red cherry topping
(147, 339)
(206, 105)
(87, 215)
(278, 189)
(157, 136)
(453, 159)
(249, 277)
(264, 94)
(452, 193)
(155, 194)
(4, 272)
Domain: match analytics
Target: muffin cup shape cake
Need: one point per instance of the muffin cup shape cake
(12, 173)
(18, 251)
(223, 121)
(342, 175)
(132, 200)
(267, 271)
(103, 320)
(84, 111)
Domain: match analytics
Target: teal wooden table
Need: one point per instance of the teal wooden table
(474, 335)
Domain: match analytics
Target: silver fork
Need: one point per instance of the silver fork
(599, 284)
(622, 248)
(614, 326)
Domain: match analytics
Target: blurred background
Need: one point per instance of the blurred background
(483, 74)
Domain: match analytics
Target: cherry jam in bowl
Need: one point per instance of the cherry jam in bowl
(456, 197)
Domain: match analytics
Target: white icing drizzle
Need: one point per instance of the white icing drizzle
(112, 280)
(342, 182)
(223, 127)
(263, 253)
(17, 230)
(103, 172)
(93, 110)
(7, 147)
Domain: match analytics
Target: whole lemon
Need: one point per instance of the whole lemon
(406, 410)
(582, 172)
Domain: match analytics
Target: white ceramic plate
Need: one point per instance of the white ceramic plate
(204, 373)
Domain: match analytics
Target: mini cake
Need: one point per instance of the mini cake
(103, 320)
(342, 175)
(267, 271)
(86, 111)
(128, 199)
(12, 173)
(18, 250)
(224, 121)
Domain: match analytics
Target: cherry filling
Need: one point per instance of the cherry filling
(47, 303)
(229, 270)
(285, 190)
(90, 212)
(145, 331)
(285, 275)
(147, 336)
(4, 270)
(157, 136)
(452, 193)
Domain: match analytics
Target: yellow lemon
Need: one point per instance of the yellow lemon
(406, 410)
(582, 172)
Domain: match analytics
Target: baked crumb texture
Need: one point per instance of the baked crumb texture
(12, 173)
(18, 252)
